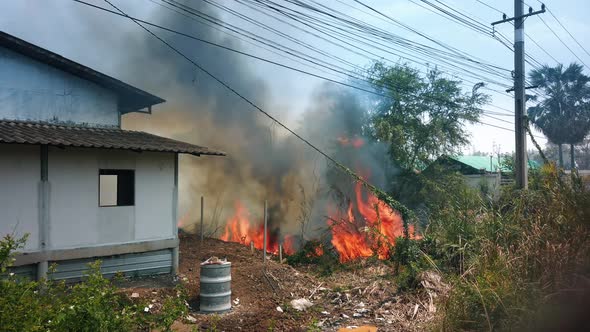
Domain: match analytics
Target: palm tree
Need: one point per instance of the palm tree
(564, 114)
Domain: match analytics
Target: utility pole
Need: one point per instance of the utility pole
(520, 160)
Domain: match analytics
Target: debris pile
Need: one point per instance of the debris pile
(270, 294)
(368, 296)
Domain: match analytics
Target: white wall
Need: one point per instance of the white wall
(477, 180)
(20, 174)
(31, 90)
(77, 220)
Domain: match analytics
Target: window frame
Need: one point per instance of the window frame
(118, 172)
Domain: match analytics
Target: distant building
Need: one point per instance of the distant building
(482, 172)
(70, 177)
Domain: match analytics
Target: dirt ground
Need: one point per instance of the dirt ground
(262, 294)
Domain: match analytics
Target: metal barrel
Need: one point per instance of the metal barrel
(215, 287)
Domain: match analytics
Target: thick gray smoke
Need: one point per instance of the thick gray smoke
(263, 162)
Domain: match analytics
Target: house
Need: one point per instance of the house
(71, 178)
(481, 172)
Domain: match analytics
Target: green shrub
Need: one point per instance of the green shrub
(91, 305)
(318, 254)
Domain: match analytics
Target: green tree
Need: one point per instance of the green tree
(423, 116)
(564, 114)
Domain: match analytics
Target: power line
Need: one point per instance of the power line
(493, 8)
(354, 75)
(290, 51)
(422, 49)
(405, 26)
(230, 49)
(504, 128)
(564, 44)
(405, 212)
(227, 86)
(497, 119)
(454, 17)
(566, 30)
(238, 37)
(485, 113)
(139, 22)
(526, 34)
(258, 58)
(538, 64)
(192, 11)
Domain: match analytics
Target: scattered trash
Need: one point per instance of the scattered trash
(279, 309)
(364, 328)
(214, 260)
(191, 319)
(361, 311)
(415, 311)
(325, 313)
(345, 316)
(301, 304)
(237, 301)
(135, 295)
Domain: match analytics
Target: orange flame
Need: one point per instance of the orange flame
(355, 142)
(317, 251)
(374, 233)
(183, 221)
(239, 229)
(289, 244)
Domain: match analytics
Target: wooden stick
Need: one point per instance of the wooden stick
(202, 208)
(281, 253)
(264, 244)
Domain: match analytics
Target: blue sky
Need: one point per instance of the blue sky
(96, 39)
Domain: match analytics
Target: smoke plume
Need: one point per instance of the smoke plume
(263, 162)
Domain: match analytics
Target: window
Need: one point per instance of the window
(116, 187)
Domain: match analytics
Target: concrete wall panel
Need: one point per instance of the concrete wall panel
(31, 90)
(20, 173)
(76, 219)
(154, 181)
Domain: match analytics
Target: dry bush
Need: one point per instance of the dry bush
(523, 264)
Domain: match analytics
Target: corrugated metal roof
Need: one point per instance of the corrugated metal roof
(130, 98)
(488, 164)
(480, 162)
(24, 132)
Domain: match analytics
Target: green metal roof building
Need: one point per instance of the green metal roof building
(476, 164)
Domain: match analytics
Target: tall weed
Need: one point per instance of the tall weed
(517, 264)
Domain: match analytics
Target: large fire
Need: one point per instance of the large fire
(372, 232)
(239, 229)
(368, 227)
